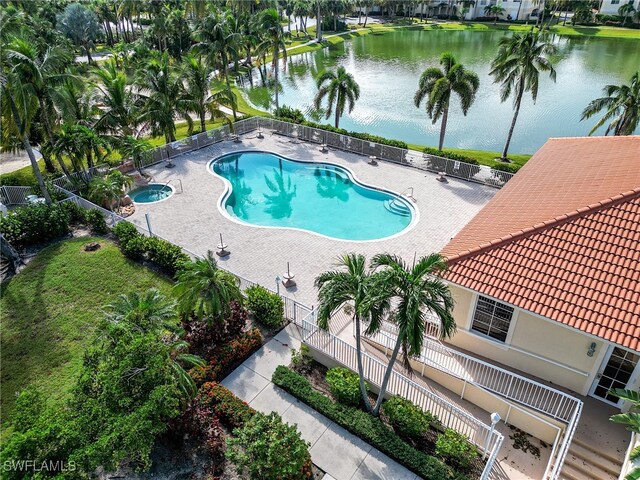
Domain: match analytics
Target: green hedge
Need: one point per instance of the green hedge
(369, 428)
(267, 307)
(294, 118)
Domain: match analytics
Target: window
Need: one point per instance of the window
(492, 318)
(615, 2)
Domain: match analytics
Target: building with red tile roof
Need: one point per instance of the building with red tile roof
(547, 275)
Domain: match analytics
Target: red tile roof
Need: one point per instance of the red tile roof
(562, 238)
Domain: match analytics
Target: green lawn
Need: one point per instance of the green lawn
(50, 311)
(482, 156)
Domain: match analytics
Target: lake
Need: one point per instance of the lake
(388, 66)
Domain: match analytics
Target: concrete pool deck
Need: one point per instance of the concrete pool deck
(192, 220)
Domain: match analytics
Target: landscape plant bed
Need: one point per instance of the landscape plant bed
(418, 456)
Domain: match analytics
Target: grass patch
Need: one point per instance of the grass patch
(482, 156)
(50, 311)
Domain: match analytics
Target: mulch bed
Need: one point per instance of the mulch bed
(427, 444)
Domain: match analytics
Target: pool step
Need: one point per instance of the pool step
(398, 208)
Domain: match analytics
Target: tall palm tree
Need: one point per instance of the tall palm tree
(356, 286)
(162, 90)
(120, 105)
(40, 71)
(206, 290)
(216, 41)
(137, 149)
(273, 43)
(21, 106)
(622, 105)
(517, 67)
(438, 84)
(416, 290)
(625, 11)
(340, 88)
(632, 422)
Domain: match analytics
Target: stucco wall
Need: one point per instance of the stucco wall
(532, 337)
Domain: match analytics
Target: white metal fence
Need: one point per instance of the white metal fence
(74, 181)
(14, 195)
(486, 439)
(509, 385)
(475, 173)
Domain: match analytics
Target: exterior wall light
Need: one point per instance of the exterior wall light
(592, 349)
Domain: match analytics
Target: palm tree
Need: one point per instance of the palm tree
(18, 97)
(137, 149)
(622, 104)
(632, 421)
(162, 94)
(340, 88)
(39, 72)
(625, 11)
(206, 290)
(416, 290)
(120, 105)
(437, 85)
(466, 6)
(495, 11)
(216, 41)
(517, 66)
(153, 312)
(356, 286)
(273, 43)
(148, 311)
(109, 189)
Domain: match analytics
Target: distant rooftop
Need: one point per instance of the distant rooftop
(562, 238)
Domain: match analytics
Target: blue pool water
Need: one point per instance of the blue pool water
(154, 192)
(269, 190)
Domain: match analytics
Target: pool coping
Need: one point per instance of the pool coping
(173, 192)
(415, 217)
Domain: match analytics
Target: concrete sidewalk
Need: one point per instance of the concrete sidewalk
(336, 451)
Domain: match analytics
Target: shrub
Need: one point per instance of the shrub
(224, 357)
(237, 320)
(301, 359)
(344, 385)
(135, 247)
(125, 231)
(204, 335)
(360, 423)
(267, 307)
(266, 447)
(231, 411)
(455, 448)
(289, 114)
(407, 419)
(35, 223)
(96, 222)
(74, 212)
(166, 255)
(442, 165)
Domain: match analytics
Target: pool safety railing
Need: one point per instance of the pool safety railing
(15, 195)
(411, 158)
(537, 397)
(486, 439)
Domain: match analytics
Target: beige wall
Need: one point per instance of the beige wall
(563, 350)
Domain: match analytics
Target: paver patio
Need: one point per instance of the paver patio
(336, 451)
(192, 219)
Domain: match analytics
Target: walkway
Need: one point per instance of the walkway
(333, 449)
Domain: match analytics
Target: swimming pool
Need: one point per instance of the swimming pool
(269, 190)
(154, 192)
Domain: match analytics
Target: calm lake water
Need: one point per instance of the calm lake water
(387, 68)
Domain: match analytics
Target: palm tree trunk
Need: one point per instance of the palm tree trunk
(276, 67)
(47, 126)
(387, 376)
(513, 122)
(203, 124)
(366, 16)
(318, 22)
(337, 122)
(363, 388)
(27, 147)
(443, 128)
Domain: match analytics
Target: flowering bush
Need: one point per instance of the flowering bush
(231, 411)
(224, 357)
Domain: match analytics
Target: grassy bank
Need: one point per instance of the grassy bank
(482, 156)
(50, 311)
